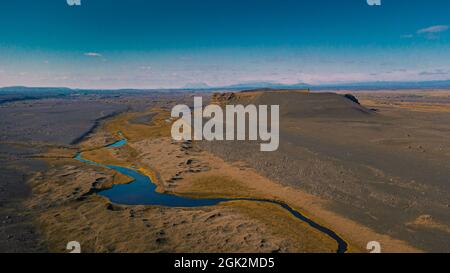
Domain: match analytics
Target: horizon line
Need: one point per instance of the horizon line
(254, 84)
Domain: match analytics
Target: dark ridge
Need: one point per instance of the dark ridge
(28, 97)
(17, 99)
(352, 98)
(95, 125)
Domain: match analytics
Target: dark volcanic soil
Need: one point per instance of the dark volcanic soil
(17, 233)
(384, 169)
(56, 121)
(32, 122)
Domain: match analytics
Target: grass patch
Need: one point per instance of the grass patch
(285, 225)
(215, 186)
(159, 127)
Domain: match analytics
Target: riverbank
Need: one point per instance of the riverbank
(142, 191)
(233, 227)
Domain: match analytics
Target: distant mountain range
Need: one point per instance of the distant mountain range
(20, 89)
(378, 85)
(351, 86)
(273, 85)
(251, 85)
(387, 85)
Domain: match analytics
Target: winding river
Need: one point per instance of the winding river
(142, 191)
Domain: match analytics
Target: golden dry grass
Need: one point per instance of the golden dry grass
(215, 186)
(159, 127)
(412, 106)
(284, 224)
(207, 186)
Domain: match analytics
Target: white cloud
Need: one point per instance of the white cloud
(433, 29)
(407, 36)
(435, 72)
(92, 54)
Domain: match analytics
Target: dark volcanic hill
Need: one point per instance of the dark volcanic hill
(300, 103)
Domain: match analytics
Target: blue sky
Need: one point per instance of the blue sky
(174, 43)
